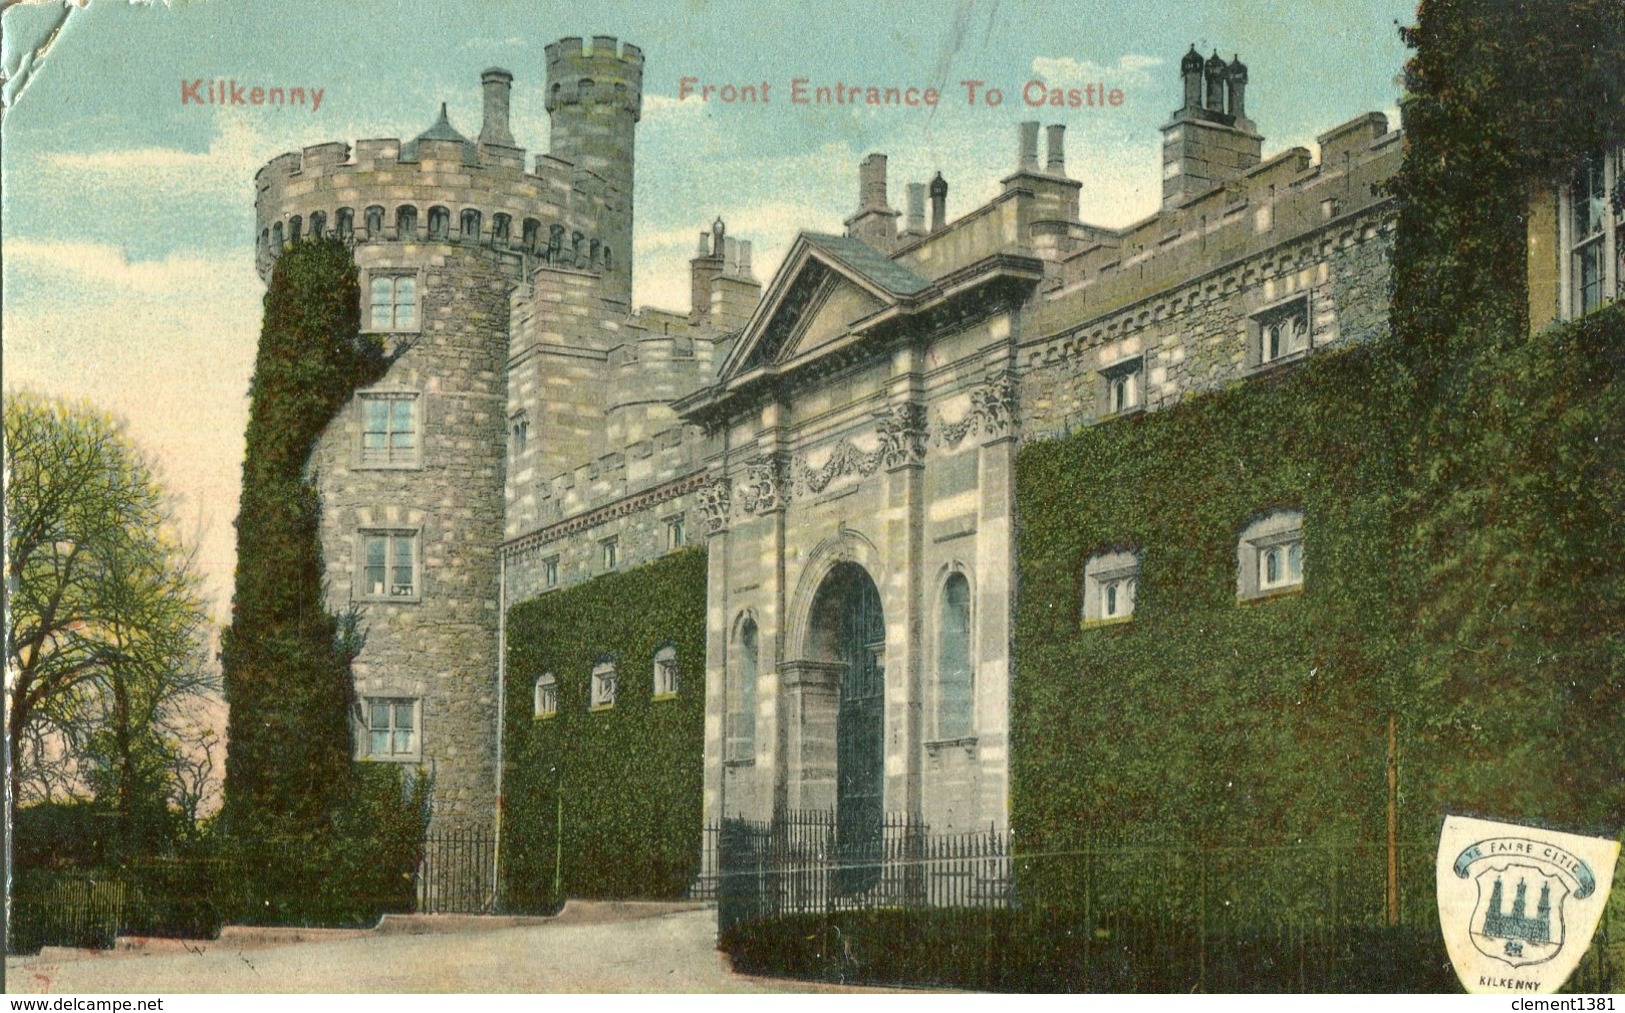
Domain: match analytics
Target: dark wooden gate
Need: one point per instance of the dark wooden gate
(860, 736)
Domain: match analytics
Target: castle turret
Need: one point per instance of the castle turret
(496, 84)
(594, 101)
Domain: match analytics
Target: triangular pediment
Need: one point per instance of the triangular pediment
(826, 286)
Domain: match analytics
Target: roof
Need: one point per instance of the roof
(442, 130)
(876, 267)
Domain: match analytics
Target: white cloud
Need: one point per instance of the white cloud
(1130, 69)
(103, 270)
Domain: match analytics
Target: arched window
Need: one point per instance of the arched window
(375, 222)
(603, 685)
(439, 223)
(665, 684)
(345, 223)
(318, 224)
(955, 700)
(1111, 581)
(546, 695)
(1269, 555)
(555, 243)
(741, 732)
(592, 252)
(294, 225)
(469, 225)
(608, 261)
(575, 249)
(501, 225)
(276, 238)
(406, 222)
(529, 234)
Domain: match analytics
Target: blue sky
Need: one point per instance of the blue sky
(128, 218)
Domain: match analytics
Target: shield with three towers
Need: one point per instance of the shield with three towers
(1518, 905)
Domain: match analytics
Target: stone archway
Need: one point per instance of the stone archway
(846, 642)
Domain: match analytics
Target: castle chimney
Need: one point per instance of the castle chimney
(1055, 143)
(730, 256)
(872, 183)
(939, 202)
(744, 259)
(916, 209)
(496, 83)
(1236, 81)
(875, 223)
(1028, 160)
(1190, 70)
(1217, 71)
(704, 269)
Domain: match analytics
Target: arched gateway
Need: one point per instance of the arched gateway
(848, 628)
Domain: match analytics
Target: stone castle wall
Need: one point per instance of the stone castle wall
(439, 645)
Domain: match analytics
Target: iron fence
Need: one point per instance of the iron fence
(1100, 911)
(456, 872)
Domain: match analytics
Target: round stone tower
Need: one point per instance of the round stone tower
(594, 101)
(444, 229)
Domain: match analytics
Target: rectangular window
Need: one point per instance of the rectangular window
(392, 728)
(389, 564)
(1279, 333)
(550, 571)
(1590, 223)
(394, 305)
(1121, 387)
(612, 553)
(603, 685)
(675, 536)
(389, 429)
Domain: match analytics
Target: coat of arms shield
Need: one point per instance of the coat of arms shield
(1518, 905)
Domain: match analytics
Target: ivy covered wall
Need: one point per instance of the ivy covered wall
(630, 775)
(1207, 716)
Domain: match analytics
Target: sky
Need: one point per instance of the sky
(127, 217)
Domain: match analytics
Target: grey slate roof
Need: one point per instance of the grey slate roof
(869, 262)
(442, 130)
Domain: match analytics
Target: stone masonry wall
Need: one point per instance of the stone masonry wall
(438, 646)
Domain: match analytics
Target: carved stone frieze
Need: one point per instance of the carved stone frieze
(763, 489)
(993, 408)
(903, 432)
(715, 500)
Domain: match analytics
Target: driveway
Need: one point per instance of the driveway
(589, 948)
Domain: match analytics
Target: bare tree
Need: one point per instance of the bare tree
(106, 622)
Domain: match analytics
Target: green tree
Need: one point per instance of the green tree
(107, 625)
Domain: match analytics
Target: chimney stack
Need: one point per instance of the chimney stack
(916, 209)
(496, 83)
(1028, 161)
(1055, 139)
(872, 183)
(939, 202)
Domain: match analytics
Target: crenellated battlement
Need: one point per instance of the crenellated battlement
(441, 187)
(596, 72)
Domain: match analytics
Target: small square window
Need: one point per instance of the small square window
(550, 571)
(389, 565)
(1269, 555)
(603, 685)
(1110, 583)
(612, 553)
(389, 430)
(393, 303)
(391, 729)
(676, 536)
